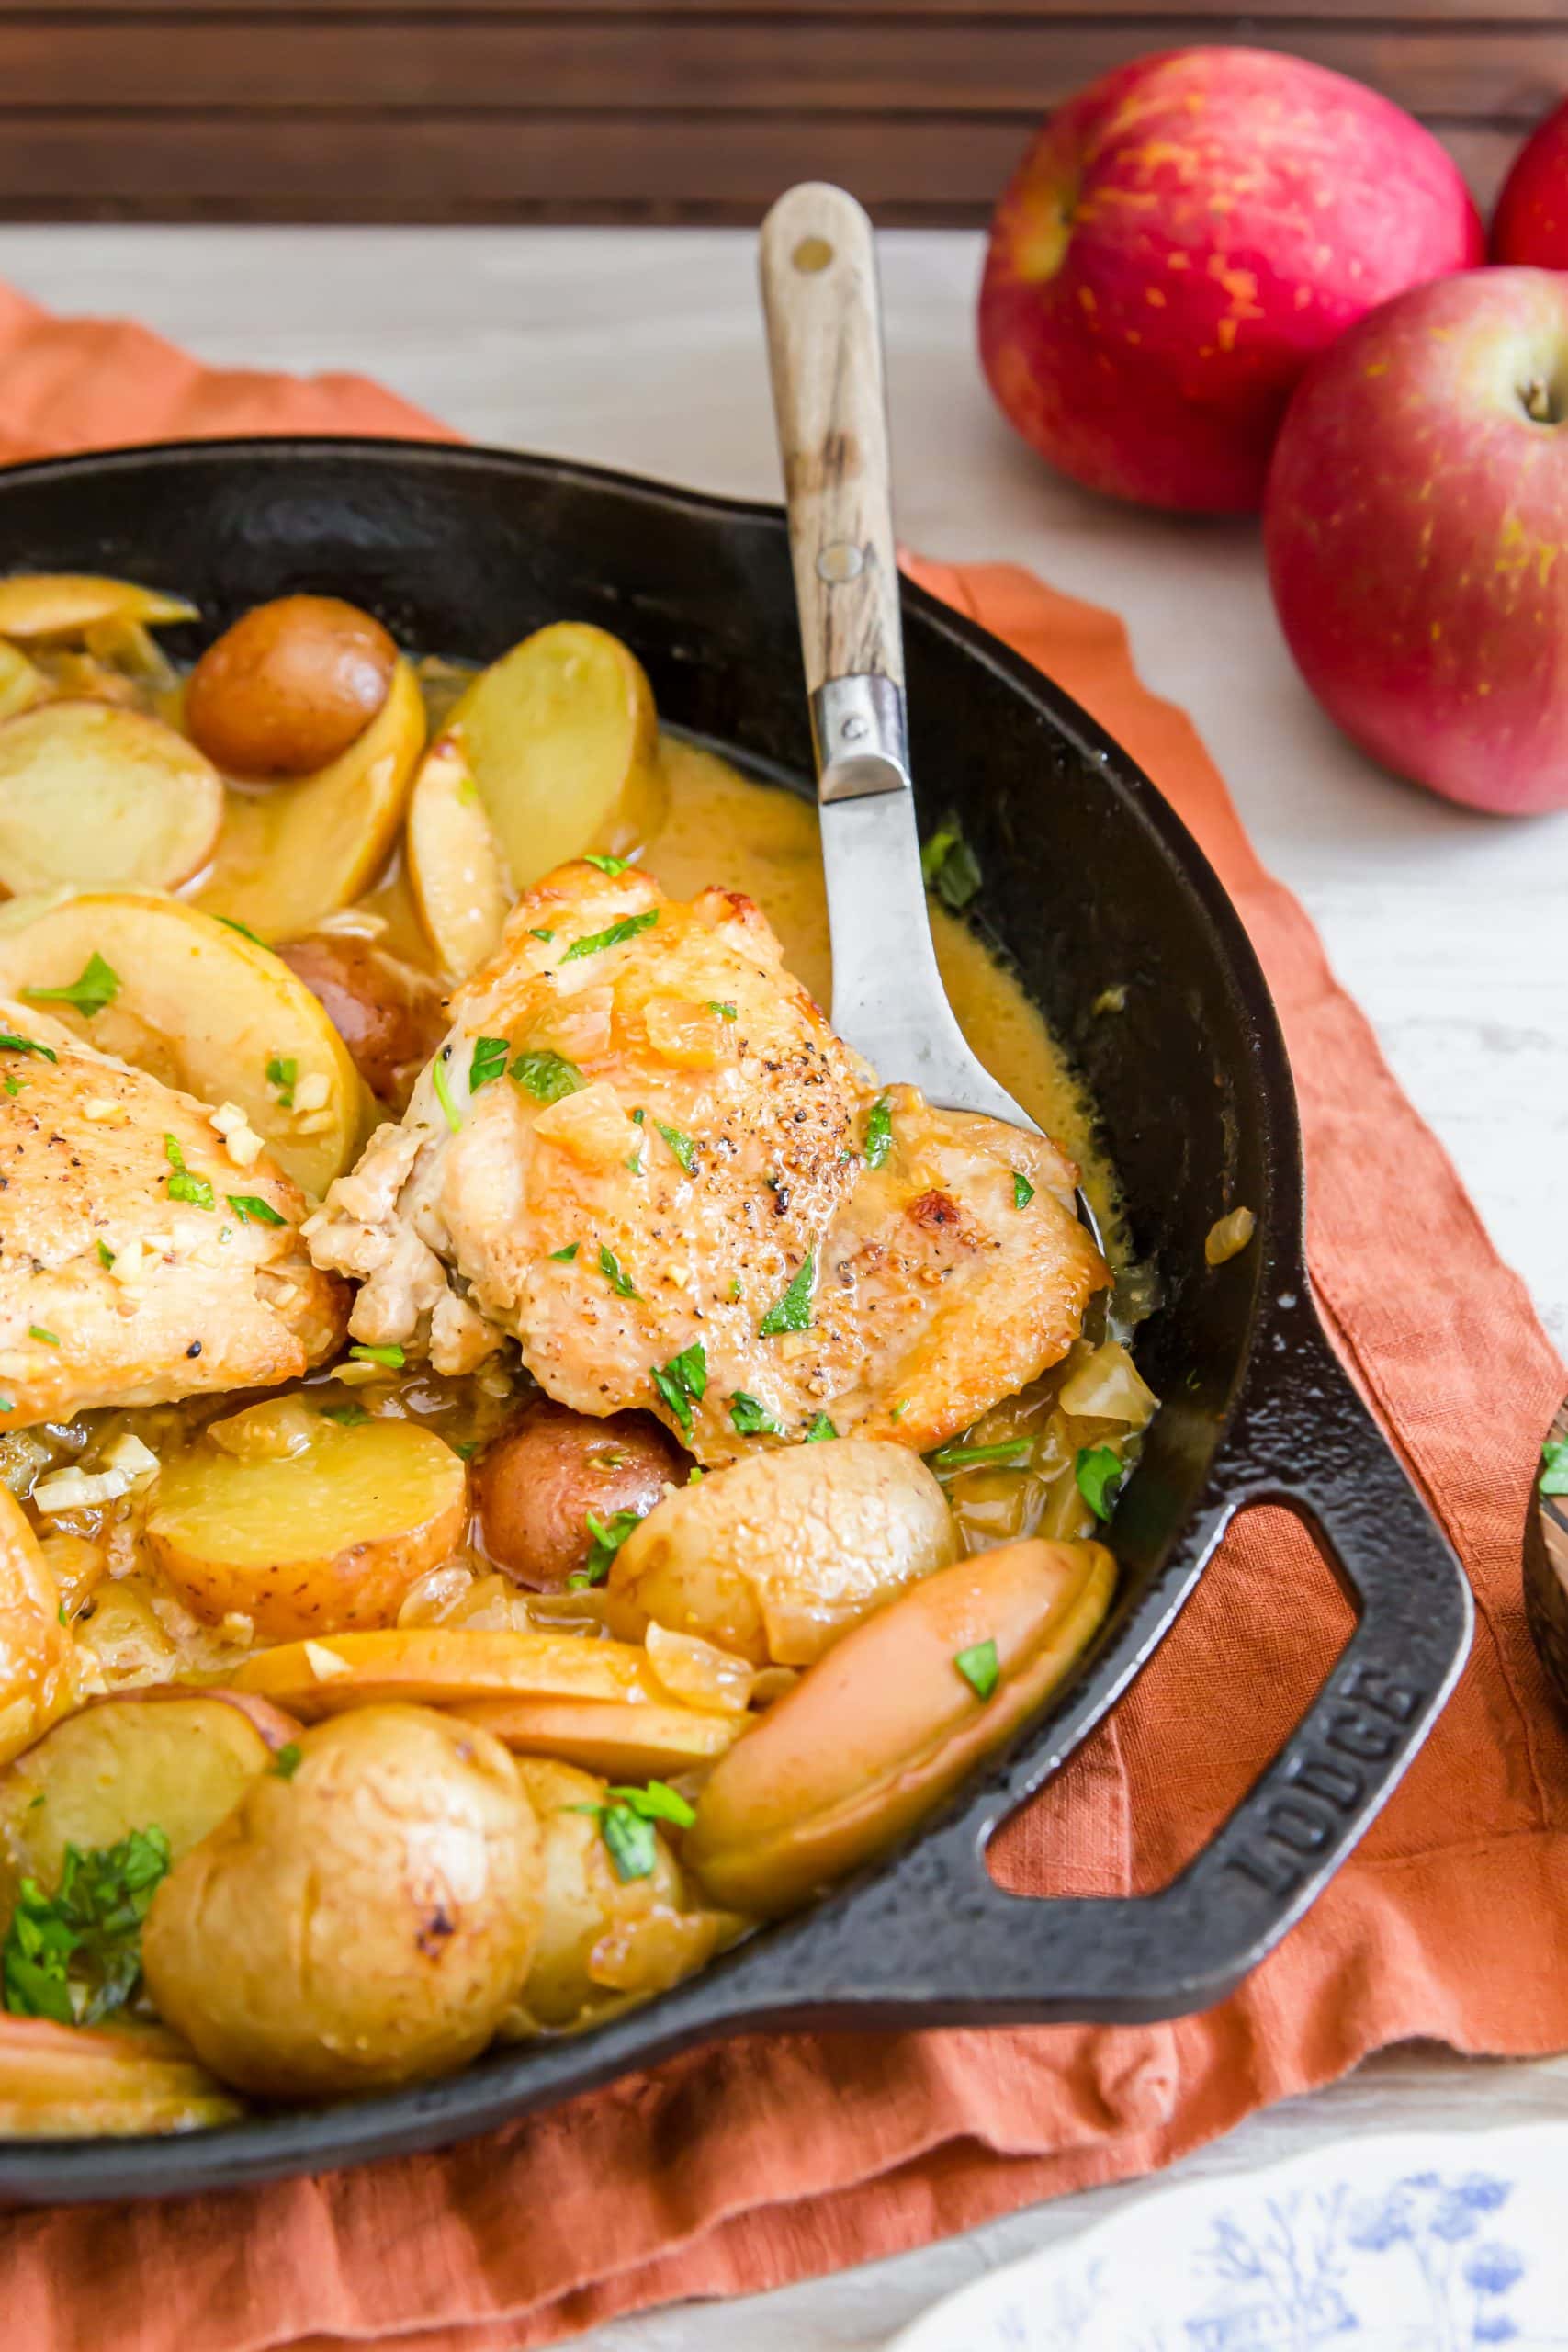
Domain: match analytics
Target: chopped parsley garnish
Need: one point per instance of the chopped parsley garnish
(626, 1824)
(1014, 1451)
(37, 1331)
(76, 1955)
(232, 922)
(10, 1043)
(614, 935)
(614, 1273)
(878, 1132)
(682, 1382)
(287, 1760)
(13, 1086)
(1022, 1190)
(610, 866)
(490, 1061)
(791, 1311)
(347, 1416)
(950, 866)
(283, 1075)
(684, 1149)
(980, 1668)
(388, 1353)
(749, 1418)
(247, 1205)
(183, 1186)
(564, 1257)
(440, 1082)
(821, 1428)
(465, 1448)
(1099, 1471)
(7, 1404)
(546, 1076)
(725, 1011)
(638, 1117)
(97, 984)
(608, 1537)
(105, 1255)
(545, 935)
(1553, 1479)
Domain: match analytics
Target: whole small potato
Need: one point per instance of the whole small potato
(390, 1015)
(776, 1557)
(365, 1921)
(537, 1483)
(289, 686)
(583, 1898)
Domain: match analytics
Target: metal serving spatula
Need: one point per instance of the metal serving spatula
(819, 291)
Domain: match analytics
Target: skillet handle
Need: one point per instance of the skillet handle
(935, 1940)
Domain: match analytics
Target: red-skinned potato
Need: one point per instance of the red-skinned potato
(289, 686)
(887, 1724)
(390, 1015)
(536, 1484)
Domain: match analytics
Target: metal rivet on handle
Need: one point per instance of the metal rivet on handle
(840, 562)
(811, 254)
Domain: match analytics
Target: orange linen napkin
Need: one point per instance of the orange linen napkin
(761, 2161)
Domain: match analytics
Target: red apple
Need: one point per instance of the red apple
(1417, 531)
(1531, 219)
(1180, 241)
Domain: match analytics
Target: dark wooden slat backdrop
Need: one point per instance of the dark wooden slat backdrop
(492, 110)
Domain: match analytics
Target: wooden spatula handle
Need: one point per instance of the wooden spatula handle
(819, 270)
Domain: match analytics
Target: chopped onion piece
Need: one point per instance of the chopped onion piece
(698, 1673)
(1107, 1387)
(1228, 1235)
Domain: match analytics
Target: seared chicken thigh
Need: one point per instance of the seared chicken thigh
(643, 1153)
(139, 1262)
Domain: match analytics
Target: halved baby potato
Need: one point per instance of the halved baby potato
(209, 1011)
(887, 1724)
(627, 1740)
(312, 1542)
(96, 797)
(68, 604)
(289, 686)
(292, 853)
(70, 2081)
(176, 1760)
(446, 1666)
(457, 866)
(561, 738)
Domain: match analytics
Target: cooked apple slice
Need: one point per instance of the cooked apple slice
(197, 1004)
(562, 740)
(292, 853)
(457, 866)
(96, 797)
(68, 604)
(36, 1654)
(622, 1738)
(180, 1760)
(445, 1665)
(71, 2082)
(22, 683)
(312, 1542)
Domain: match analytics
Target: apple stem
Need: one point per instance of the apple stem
(1539, 401)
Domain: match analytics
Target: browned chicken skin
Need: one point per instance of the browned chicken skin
(717, 1173)
(114, 1290)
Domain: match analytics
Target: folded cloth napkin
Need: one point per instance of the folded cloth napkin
(764, 2160)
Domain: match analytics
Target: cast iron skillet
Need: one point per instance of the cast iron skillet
(1089, 882)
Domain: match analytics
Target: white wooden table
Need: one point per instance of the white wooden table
(642, 349)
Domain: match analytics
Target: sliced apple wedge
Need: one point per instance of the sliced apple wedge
(204, 1009)
(96, 797)
(292, 853)
(72, 2082)
(457, 866)
(68, 604)
(626, 1741)
(445, 1664)
(562, 740)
